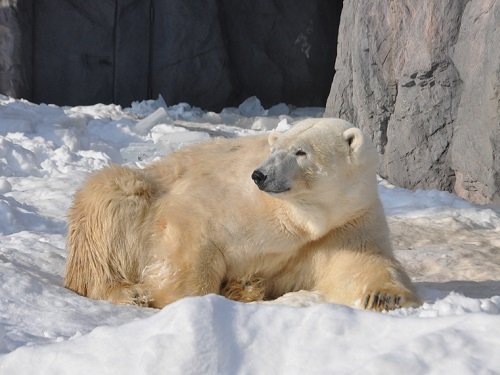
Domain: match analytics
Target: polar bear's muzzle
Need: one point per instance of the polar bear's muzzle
(276, 174)
(268, 185)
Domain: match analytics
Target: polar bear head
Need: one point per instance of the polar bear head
(318, 157)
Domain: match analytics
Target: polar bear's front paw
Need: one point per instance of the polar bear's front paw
(249, 289)
(141, 298)
(381, 300)
(131, 295)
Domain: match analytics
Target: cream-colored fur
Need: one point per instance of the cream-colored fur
(195, 223)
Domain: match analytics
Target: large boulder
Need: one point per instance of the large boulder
(422, 78)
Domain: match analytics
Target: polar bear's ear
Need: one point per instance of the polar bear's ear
(355, 139)
(273, 136)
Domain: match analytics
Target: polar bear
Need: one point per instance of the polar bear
(250, 218)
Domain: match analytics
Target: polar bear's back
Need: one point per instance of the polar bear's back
(216, 173)
(216, 162)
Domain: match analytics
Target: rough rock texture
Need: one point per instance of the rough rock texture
(128, 50)
(280, 51)
(189, 60)
(423, 78)
(68, 67)
(475, 151)
(209, 53)
(15, 59)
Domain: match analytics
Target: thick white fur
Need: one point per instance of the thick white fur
(195, 223)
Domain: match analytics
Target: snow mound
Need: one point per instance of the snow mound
(211, 335)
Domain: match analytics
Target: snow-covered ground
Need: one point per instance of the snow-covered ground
(451, 248)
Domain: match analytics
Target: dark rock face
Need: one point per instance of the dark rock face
(189, 60)
(422, 78)
(67, 66)
(210, 53)
(280, 51)
(15, 60)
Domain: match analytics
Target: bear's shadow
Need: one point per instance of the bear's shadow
(431, 291)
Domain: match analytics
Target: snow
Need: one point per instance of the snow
(450, 247)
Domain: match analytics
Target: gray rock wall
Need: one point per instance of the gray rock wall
(475, 150)
(423, 79)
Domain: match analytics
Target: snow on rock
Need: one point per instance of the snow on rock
(450, 247)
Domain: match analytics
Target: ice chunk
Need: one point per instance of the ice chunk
(283, 125)
(308, 112)
(164, 145)
(264, 123)
(160, 116)
(231, 116)
(278, 110)
(179, 110)
(251, 107)
(212, 118)
(146, 107)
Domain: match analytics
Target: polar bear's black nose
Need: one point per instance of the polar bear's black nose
(258, 177)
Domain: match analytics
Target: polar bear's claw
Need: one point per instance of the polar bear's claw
(382, 301)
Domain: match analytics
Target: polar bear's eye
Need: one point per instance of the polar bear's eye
(300, 153)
